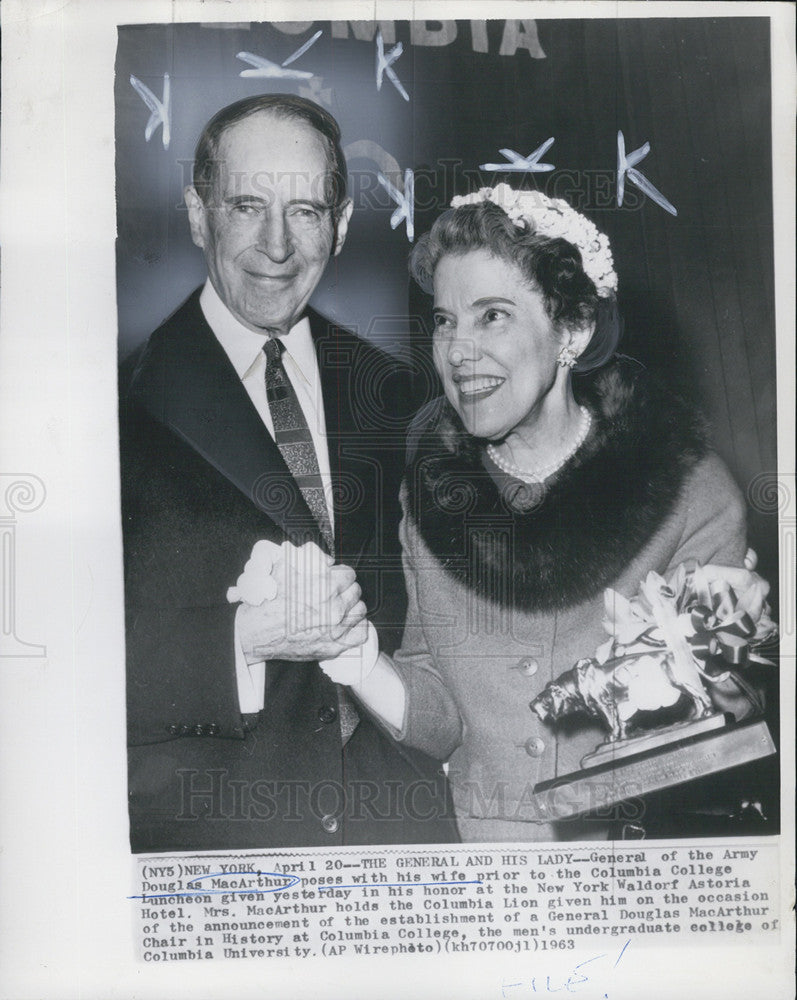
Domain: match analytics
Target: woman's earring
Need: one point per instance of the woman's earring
(567, 357)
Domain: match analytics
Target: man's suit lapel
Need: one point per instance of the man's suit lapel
(335, 351)
(187, 382)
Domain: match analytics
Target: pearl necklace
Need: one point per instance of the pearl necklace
(543, 473)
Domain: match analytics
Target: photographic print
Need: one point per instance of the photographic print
(650, 447)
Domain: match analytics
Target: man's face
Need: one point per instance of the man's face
(268, 229)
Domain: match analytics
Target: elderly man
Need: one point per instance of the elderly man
(248, 417)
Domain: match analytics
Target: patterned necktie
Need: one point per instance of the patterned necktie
(295, 442)
(293, 438)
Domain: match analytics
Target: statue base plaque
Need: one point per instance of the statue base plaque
(651, 762)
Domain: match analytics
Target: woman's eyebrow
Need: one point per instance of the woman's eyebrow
(490, 299)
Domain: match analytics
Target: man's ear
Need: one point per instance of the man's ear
(197, 215)
(342, 225)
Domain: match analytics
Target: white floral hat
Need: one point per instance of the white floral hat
(554, 218)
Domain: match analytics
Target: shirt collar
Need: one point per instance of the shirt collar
(244, 347)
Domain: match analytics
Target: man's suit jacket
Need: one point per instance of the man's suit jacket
(202, 481)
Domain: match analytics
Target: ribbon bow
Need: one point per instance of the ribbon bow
(701, 614)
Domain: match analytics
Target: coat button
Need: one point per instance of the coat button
(534, 747)
(528, 666)
(213, 729)
(330, 824)
(173, 729)
(185, 729)
(199, 730)
(327, 714)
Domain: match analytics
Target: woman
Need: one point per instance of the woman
(551, 470)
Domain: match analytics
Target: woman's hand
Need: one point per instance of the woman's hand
(751, 589)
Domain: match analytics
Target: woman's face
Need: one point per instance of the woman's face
(495, 347)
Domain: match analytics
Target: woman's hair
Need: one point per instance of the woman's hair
(552, 266)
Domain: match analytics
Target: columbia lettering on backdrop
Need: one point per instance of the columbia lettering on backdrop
(516, 35)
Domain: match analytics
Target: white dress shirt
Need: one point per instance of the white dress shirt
(244, 348)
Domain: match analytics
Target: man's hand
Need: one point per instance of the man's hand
(316, 613)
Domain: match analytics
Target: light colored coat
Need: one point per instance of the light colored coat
(471, 666)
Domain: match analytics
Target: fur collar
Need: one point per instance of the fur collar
(564, 544)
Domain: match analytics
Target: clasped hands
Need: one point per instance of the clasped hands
(296, 604)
